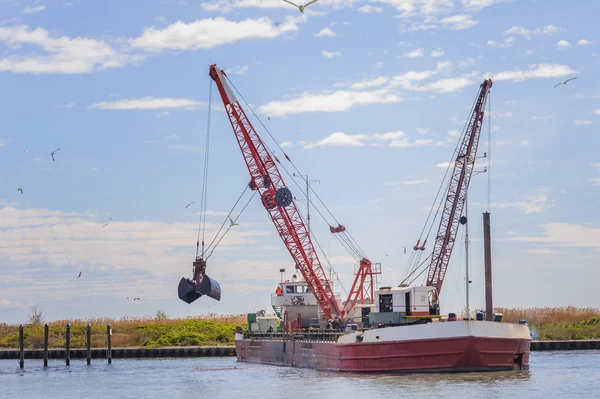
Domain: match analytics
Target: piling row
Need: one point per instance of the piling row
(565, 345)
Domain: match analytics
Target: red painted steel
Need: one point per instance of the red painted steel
(440, 354)
(265, 178)
(457, 192)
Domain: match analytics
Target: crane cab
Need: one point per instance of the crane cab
(403, 305)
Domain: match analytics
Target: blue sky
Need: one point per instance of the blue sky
(367, 97)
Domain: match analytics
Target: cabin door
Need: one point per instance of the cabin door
(407, 303)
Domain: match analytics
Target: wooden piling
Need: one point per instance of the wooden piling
(68, 346)
(21, 347)
(46, 345)
(89, 344)
(108, 343)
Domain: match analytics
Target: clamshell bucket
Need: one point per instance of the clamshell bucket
(189, 290)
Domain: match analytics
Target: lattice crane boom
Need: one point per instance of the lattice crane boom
(457, 191)
(277, 198)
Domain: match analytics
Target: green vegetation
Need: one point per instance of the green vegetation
(209, 330)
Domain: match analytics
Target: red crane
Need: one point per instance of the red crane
(277, 198)
(279, 203)
(457, 192)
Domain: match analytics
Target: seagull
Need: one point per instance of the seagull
(25, 150)
(268, 118)
(105, 224)
(79, 276)
(133, 299)
(53, 154)
(189, 204)
(20, 189)
(301, 8)
(565, 82)
(231, 222)
(404, 249)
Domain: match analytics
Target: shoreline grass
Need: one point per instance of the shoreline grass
(566, 323)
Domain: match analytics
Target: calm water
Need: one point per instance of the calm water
(552, 375)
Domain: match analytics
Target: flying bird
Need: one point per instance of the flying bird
(190, 204)
(20, 189)
(53, 154)
(25, 150)
(232, 223)
(301, 8)
(79, 276)
(565, 82)
(4, 63)
(404, 249)
(133, 299)
(268, 118)
(105, 224)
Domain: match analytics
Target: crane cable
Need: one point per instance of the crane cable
(349, 243)
(204, 193)
(414, 266)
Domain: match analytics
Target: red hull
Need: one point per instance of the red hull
(427, 355)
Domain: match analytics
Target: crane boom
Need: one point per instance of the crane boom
(277, 198)
(457, 191)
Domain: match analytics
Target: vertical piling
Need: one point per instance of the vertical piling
(68, 346)
(21, 347)
(46, 345)
(89, 344)
(487, 249)
(108, 343)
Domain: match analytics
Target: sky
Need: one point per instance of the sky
(368, 98)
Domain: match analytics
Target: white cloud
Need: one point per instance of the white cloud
(453, 133)
(369, 9)
(330, 54)
(210, 33)
(475, 5)
(527, 33)
(389, 139)
(503, 114)
(491, 43)
(379, 65)
(541, 117)
(565, 235)
(339, 139)
(442, 165)
(536, 203)
(563, 44)
(287, 144)
(94, 170)
(3, 143)
(337, 101)
(449, 85)
(423, 130)
(369, 83)
(524, 143)
(326, 32)
(459, 22)
(510, 102)
(237, 71)
(596, 165)
(162, 114)
(437, 53)
(584, 42)
(414, 53)
(580, 122)
(63, 55)
(408, 182)
(597, 111)
(534, 71)
(34, 9)
(544, 251)
(147, 103)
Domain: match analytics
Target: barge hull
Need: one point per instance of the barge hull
(434, 354)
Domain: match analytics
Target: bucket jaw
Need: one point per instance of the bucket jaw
(191, 289)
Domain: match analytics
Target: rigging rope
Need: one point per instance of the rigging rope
(204, 193)
(231, 225)
(413, 265)
(349, 243)
(225, 221)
